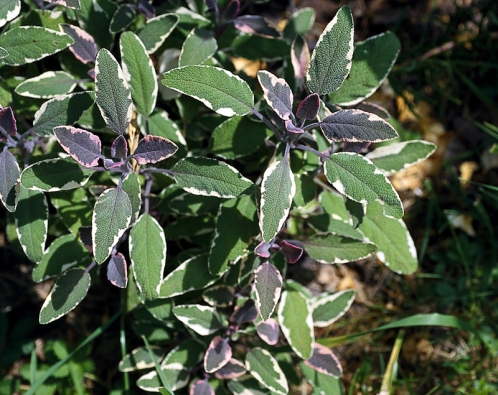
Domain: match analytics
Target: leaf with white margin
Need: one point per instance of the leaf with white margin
(247, 385)
(296, 322)
(199, 46)
(395, 247)
(112, 94)
(299, 23)
(356, 125)
(203, 320)
(231, 370)
(47, 85)
(68, 291)
(117, 271)
(219, 295)
(209, 177)
(31, 218)
(357, 177)
(50, 175)
(27, 44)
(300, 58)
(218, 89)
(122, 18)
(131, 185)
(9, 9)
(264, 368)
(148, 255)
(188, 354)
(175, 375)
(74, 4)
(398, 156)
(255, 24)
(267, 287)
(331, 248)
(269, 331)
(138, 72)
(84, 48)
(328, 308)
(193, 274)
(217, 354)
(10, 175)
(84, 147)
(323, 384)
(139, 359)
(277, 191)
(153, 149)
(201, 387)
(324, 361)
(73, 208)
(331, 59)
(277, 94)
(372, 61)
(111, 217)
(156, 30)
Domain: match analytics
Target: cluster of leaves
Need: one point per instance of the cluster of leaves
(113, 165)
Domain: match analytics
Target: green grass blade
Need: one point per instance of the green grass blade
(160, 373)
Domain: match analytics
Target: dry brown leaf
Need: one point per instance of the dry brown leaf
(467, 168)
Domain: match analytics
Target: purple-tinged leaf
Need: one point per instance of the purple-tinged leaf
(91, 73)
(119, 147)
(268, 284)
(211, 4)
(268, 331)
(10, 175)
(245, 313)
(300, 57)
(8, 124)
(84, 48)
(253, 24)
(374, 109)
(231, 370)
(152, 149)
(265, 368)
(117, 272)
(356, 125)
(324, 361)
(263, 249)
(217, 355)
(232, 10)
(74, 4)
(292, 252)
(85, 233)
(290, 127)
(146, 9)
(356, 147)
(308, 108)
(201, 387)
(84, 147)
(277, 94)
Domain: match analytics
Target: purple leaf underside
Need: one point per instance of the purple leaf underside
(152, 149)
(8, 124)
(245, 313)
(117, 272)
(308, 108)
(84, 147)
(217, 355)
(119, 147)
(84, 48)
(292, 252)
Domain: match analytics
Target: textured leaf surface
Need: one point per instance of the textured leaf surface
(202, 319)
(331, 248)
(296, 322)
(47, 85)
(217, 355)
(117, 271)
(329, 308)
(156, 30)
(111, 217)
(199, 46)
(220, 90)
(139, 359)
(31, 217)
(209, 177)
(357, 177)
(372, 61)
(264, 368)
(139, 72)
(148, 255)
(153, 149)
(277, 190)
(9, 179)
(269, 331)
(84, 147)
(51, 175)
(395, 246)
(267, 284)
(131, 185)
(9, 9)
(112, 94)
(356, 125)
(324, 361)
(27, 44)
(67, 292)
(277, 94)
(84, 47)
(190, 275)
(331, 60)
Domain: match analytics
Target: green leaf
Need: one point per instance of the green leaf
(253, 47)
(323, 383)
(131, 185)
(68, 291)
(277, 190)
(122, 18)
(188, 354)
(27, 44)
(395, 247)
(331, 60)
(325, 223)
(357, 177)
(296, 322)
(209, 177)
(139, 72)
(372, 61)
(264, 368)
(203, 320)
(237, 137)
(64, 252)
(188, 204)
(139, 359)
(156, 30)
(330, 248)
(175, 376)
(31, 217)
(247, 385)
(267, 286)
(73, 207)
(9, 9)
(299, 23)
(161, 125)
(328, 308)
(10, 174)
(199, 46)
(148, 255)
(111, 217)
(94, 17)
(236, 227)
(193, 274)
(220, 90)
(57, 174)
(398, 156)
(111, 92)
(47, 85)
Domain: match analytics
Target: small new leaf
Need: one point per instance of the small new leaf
(153, 149)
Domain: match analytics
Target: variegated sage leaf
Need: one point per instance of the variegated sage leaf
(156, 30)
(255, 24)
(84, 147)
(131, 185)
(325, 384)
(218, 89)
(68, 291)
(203, 320)
(300, 58)
(199, 46)
(140, 359)
(231, 370)
(328, 308)
(117, 271)
(151, 382)
(324, 361)
(10, 174)
(331, 59)
(47, 85)
(8, 123)
(267, 284)
(277, 94)
(201, 387)
(299, 23)
(269, 331)
(148, 255)
(73, 208)
(84, 47)
(332, 248)
(153, 149)
(217, 355)
(122, 18)
(74, 4)
(111, 217)
(9, 9)
(264, 368)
